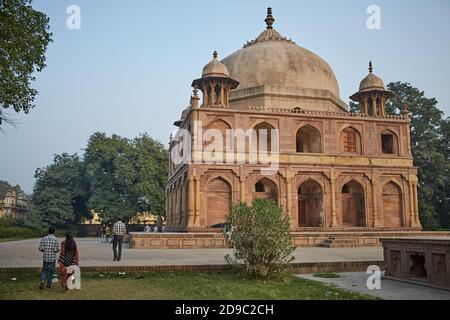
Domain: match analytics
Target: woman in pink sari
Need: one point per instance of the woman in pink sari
(68, 257)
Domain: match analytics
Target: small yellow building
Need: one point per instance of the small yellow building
(13, 204)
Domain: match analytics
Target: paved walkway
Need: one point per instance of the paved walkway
(24, 253)
(390, 289)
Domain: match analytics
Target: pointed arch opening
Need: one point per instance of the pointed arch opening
(217, 132)
(353, 205)
(266, 189)
(389, 142)
(392, 205)
(264, 137)
(310, 204)
(218, 201)
(350, 141)
(308, 140)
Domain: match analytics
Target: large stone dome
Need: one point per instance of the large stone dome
(273, 60)
(280, 63)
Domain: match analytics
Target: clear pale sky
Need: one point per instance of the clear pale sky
(129, 68)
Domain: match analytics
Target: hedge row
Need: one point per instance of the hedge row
(21, 232)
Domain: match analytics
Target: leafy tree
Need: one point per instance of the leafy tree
(61, 192)
(24, 37)
(261, 237)
(110, 173)
(151, 160)
(127, 176)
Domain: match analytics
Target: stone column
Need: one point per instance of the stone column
(333, 199)
(222, 95)
(178, 206)
(191, 202)
(288, 197)
(374, 203)
(416, 205)
(197, 201)
(412, 216)
(242, 189)
(183, 205)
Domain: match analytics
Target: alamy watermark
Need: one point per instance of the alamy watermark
(374, 19)
(73, 21)
(230, 146)
(374, 280)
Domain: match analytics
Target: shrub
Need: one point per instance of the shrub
(20, 232)
(261, 237)
(15, 228)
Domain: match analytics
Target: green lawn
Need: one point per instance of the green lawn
(175, 286)
(12, 239)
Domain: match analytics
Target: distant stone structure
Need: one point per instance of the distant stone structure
(13, 204)
(421, 261)
(337, 170)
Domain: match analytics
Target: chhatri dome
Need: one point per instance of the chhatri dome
(215, 68)
(371, 81)
(272, 60)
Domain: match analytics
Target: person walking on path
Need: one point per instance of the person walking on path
(49, 245)
(68, 257)
(103, 231)
(108, 233)
(159, 223)
(119, 231)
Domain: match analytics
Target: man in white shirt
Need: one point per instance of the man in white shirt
(119, 231)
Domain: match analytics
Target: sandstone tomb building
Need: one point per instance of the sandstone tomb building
(337, 170)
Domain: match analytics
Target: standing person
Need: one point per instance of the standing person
(49, 245)
(119, 231)
(68, 257)
(159, 223)
(108, 232)
(103, 231)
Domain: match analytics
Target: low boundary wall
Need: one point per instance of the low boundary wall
(298, 268)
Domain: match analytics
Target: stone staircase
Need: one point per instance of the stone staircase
(332, 242)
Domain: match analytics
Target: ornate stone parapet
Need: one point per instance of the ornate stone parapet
(423, 261)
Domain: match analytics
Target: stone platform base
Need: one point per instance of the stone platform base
(197, 240)
(141, 240)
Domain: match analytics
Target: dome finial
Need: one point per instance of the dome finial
(370, 67)
(269, 19)
(215, 54)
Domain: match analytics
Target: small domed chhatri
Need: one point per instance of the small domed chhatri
(215, 84)
(371, 81)
(215, 68)
(334, 171)
(372, 95)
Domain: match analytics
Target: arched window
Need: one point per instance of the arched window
(224, 128)
(353, 207)
(392, 205)
(218, 201)
(259, 187)
(350, 141)
(264, 137)
(308, 140)
(310, 204)
(389, 143)
(266, 189)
